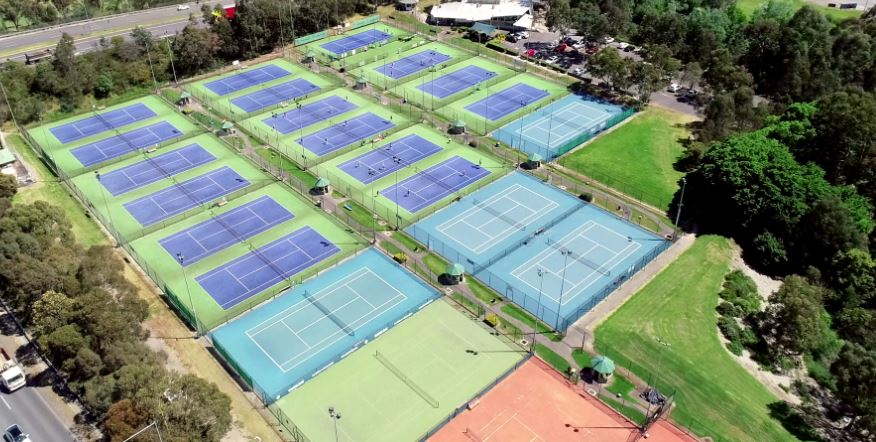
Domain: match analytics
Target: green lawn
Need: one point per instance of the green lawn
(749, 6)
(552, 358)
(716, 397)
(521, 315)
(48, 189)
(637, 158)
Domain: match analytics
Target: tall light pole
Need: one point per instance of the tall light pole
(335, 416)
(170, 52)
(678, 210)
(181, 259)
(374, 218)
(106, 208)
(565, 252)
(540, 283)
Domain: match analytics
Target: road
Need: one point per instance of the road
(27, 408)
(88, 33)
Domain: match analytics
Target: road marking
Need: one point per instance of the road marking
(6, 403)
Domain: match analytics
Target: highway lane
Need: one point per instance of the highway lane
(30, 411)
(87, 33)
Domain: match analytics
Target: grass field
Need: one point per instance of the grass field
(750, 6)
(448, 357)
(62, 155)
(637, 158)
(223, 105)
(385, 207)
(715, 396)
(163, 266)
(410, 92)
(477, 123)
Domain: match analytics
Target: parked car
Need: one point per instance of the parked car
(15, 434)
(511, 38)
(522, 34)
(182, 7)
(673, 87)
(607, 40)
(623, 46)
(577, 72)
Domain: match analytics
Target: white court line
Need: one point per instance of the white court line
(577, 233)
(576, 107)
(325, 292)
(509, 193)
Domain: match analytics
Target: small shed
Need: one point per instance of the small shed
(406, 5)
(361, 82)
(457, 127)
(184, 98)
(534, 160)
(310, 56)
(455, 273)
(602, 366)
(322, 186)
(6, 157)
(481, 30)
(227, 128)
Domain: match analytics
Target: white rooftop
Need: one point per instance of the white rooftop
(480, 11)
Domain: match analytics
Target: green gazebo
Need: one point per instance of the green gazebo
(184, 98)
(309, 56)
(361, 81)
(455, 273)
(457, 127)
(602, 366)
(227, 128)
(534, 160)
(322, 186)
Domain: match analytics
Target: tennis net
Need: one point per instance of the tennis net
(579, 258)
(498, 214)
(401, 376)
(404, 163)
(328, 313)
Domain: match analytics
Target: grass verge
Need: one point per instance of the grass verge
(481, 291)
(667, 333)
(552, 358)
(523, 316)
(406, 241)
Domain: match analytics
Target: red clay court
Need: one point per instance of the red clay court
(535, 403)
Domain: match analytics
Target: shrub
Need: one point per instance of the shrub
(740, 290)
(492, 319)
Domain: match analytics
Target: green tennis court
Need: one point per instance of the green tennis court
(259, 96)
(404, 383)
(64, 155)
(477, 122)
(353, 57)
(342, 172)
(417, 90)
(112, 208)
(372, 70)
(163, 267)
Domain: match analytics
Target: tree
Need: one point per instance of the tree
(825, 231)
(793, 322)
(123, 419)
(855, 372)
(64, 60)
(692, 75)
(609, 65)
(51, 312)
(8, 186)
(194, 49)
(560, 17)
(647, 79)
(63, 343)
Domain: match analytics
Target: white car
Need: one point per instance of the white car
(14, 434)
(622, 45)
(608, 40)
(182, 7)
(673, 87)
(523, 34)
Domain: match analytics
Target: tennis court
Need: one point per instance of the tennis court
(121, 144)
(550, 130)
(388, 158)
(272, 95)
(404, 383)
(102, 122)
(345, 133)
(308, 114)
(154, 169)
(246, 78)
(355, 41)
(284, 343)
(507, 101)
(535, 403)
(493, 219)
(431, 185)
(240, 224)
(457, 81)
(412, 64)
(183, 196)
(262, 268)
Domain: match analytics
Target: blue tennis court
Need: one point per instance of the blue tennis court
(154, 169)
(434, 183)
(507, 101)
(221, 231)
(388, 158)
(277, 94)
(118, 145)
(355, 41)
(345, 133)
(412, 64)
(456, 81)
(311, 113)
(559, 126)
(102, 122)
(261, 269)
(296, 336)
(246, 78)
(178, 198)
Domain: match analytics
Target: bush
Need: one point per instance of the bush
(492, 319)
(727, 309)
(586, 197)
(741, 291)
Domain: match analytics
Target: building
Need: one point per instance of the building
(512, 15)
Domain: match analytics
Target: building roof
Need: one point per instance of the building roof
(482, 28)
(472, 11)
(6, 157)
